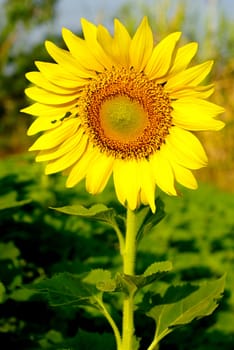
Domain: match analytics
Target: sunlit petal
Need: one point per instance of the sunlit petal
(141, 46)
(196, 114)
(161, 59)
(126, 182)
(99, 173)
(189, 77)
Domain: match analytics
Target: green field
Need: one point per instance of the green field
(37, 242)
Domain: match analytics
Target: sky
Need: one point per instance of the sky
(70, 11)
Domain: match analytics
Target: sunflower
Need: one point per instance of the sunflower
(118, 105)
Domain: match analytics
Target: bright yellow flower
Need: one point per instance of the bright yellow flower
(118, 105)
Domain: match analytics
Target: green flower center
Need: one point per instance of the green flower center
(122, 119)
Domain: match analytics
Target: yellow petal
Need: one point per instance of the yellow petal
(184, 176)
(118, 46)
(67, 61)
(81, 51)
(196, 114)
(89, 30)
(193, 91)
(185, 149)
(162, 171)
(79, 170)
(183, 57)
(90, 34)
(53, 138)
(38, 79)
(191, 76)
(141, 46)
(105, 40)
(42, 110)
(42, 124)
(68, 158)
(147, 183)
(56, 152)
(99, 173)
(121, 43)
(161, 58)
(44, 96)
(59, 76)
(127, 187)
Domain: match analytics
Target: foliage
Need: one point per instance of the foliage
(38, 243)
(18, 50)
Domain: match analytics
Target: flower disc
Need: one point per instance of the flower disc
(125, 114)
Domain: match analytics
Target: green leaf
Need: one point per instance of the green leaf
(136, 343)
(2, 292)
(52, 337)
(108, 285)
(158, 268)
(21, 294)
(147, 220)
(125, 283)
(201, 302)
(10, 201)
(66, 289)
(9, 251)
(101, 279)
(131, 284)
(99, 212)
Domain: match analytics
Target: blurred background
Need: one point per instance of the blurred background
(26, 24)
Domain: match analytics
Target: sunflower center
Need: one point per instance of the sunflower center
(125, 114)
(122, 119)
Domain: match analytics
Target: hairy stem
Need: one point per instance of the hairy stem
(129, 256)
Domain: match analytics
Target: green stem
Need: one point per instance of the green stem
(112, 324)
(154, 345)
(129, 256)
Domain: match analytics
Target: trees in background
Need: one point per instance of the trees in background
(20, 22)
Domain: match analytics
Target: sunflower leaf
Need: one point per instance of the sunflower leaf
(2, 292)
(158, 267)
(9, 201)
(66, 289)
(147, 220)
(199, 301)
(126, 284)
(98, 212)
(8, 251)
(130, 284)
